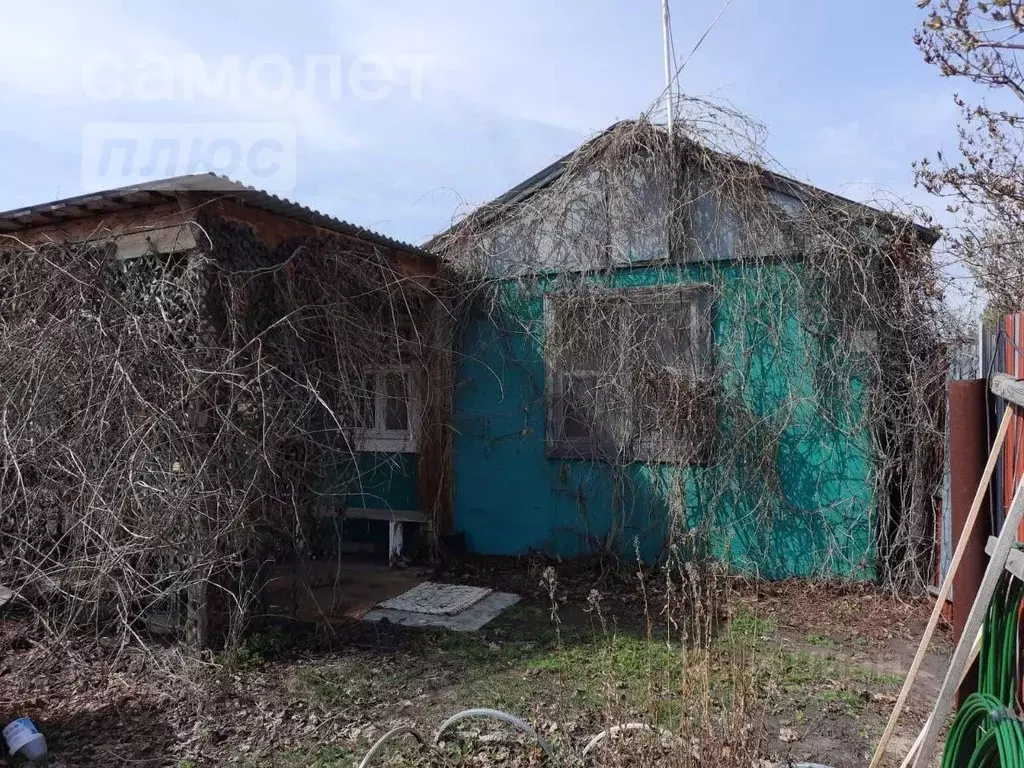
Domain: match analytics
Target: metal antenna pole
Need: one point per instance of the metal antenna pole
(666, 24)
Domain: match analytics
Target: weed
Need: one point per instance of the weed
(624, 656)
(750, 626)
(870, 677)
(256, 649)
(802, 669)
(669, 713)
(852, 703)
(821, 641)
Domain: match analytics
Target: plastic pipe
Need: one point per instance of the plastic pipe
(383, 740)
(505, 717)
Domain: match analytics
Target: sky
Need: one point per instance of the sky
(435, 106)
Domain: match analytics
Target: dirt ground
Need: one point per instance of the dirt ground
(794, 671)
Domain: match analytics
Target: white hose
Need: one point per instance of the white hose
(526, 728)
(619, 729)
(512, 720)
(379, 745)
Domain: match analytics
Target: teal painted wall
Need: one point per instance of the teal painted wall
(790, 492)
(385, 481)
(369, 480)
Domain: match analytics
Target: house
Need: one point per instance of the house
(202, 380)
(674, 351)
(651, 350)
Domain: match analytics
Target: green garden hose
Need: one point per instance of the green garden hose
(987, 731)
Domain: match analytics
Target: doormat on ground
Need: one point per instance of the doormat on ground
(468, 620)
(437, 599)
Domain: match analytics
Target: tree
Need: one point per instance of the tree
(981, 42)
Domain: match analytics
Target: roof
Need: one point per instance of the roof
(549, 175)
(168, 190)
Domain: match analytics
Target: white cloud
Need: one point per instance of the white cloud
(530, 60)
(66, 58)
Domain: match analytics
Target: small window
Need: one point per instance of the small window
(386, 411)
(628, 374)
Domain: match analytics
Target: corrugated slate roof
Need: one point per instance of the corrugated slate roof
(167, 190)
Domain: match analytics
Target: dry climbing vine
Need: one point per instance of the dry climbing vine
(171, 426)
(808, 421)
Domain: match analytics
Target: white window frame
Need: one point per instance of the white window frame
(379, 439)
(555, 443)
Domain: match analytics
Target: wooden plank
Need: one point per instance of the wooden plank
(1007, 387)
(1015, 560)
(31, 219)
(947, 585)
(104, 205)
(387, 515)
(975, 652)
(958, 665)
(142, 197)
(161, 240)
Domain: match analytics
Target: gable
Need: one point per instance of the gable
(634, 195)
(608, 217)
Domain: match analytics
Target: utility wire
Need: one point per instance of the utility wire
(703, 37)
(666, 92)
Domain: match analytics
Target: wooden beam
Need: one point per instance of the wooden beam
(1015, 561)
(958, 665)
(145, 197)
(104, 206)
(159, 240)
(947, 585)
(975, 652)
(1008, 388)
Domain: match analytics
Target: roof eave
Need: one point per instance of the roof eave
(165, 190)
(487, 213)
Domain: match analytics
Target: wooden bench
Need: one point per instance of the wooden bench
(396, 519)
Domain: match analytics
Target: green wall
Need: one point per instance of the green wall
(789, 492)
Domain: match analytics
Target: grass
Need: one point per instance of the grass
(622, 656)
(256, 650)
(325, 685)
(489, 669)
(522, 662)
(749, 626)
(501, 668)
(822, 641)
(798, 670)
(851, 703)
(623, 670)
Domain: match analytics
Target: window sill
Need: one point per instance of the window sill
(386, 444)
